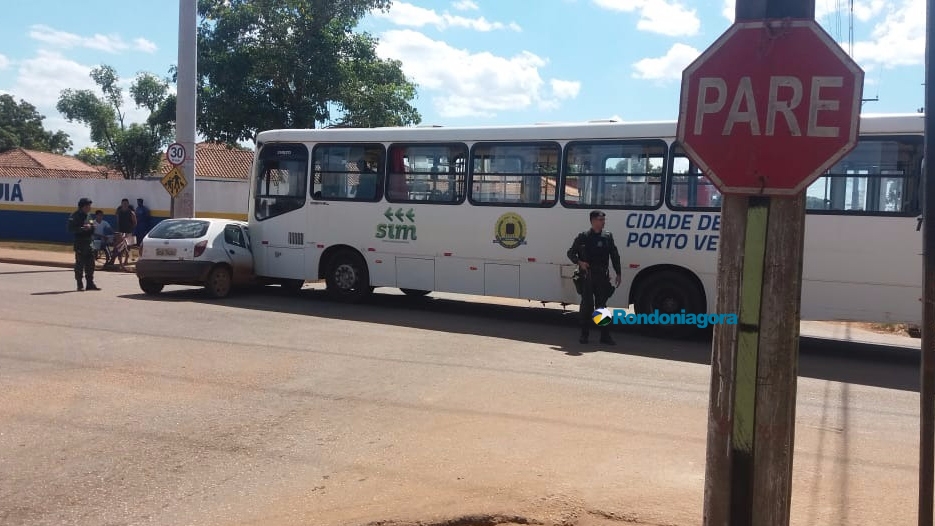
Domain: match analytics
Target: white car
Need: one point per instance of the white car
(209, 252)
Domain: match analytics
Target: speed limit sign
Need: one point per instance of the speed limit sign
(175, 154)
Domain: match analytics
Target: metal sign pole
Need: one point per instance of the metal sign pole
(927, 387)
(183, 205)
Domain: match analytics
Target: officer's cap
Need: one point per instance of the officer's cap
(83, 201)
(597, 213)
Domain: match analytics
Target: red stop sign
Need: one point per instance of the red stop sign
(770, 106)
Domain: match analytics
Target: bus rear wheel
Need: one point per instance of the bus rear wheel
(348, 279)
(669, 293)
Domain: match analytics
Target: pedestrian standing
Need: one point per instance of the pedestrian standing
(143, 221)
(82, 229)
(126, 222)
(590, 251)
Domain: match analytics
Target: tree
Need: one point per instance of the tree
(133, 149)
(93, 156)
(21, 127)
(266, 64)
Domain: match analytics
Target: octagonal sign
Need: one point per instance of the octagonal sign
(770, 106)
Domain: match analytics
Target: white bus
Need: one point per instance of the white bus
(493, 210)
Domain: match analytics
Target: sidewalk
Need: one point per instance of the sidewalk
(837, 331)
(50, 258)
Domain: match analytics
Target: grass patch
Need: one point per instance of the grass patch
(37, 245)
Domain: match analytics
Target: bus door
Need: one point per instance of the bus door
(280, 194)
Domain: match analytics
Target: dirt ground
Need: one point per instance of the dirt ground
(898, 329)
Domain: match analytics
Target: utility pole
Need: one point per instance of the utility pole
(183, 204)
(927, 386)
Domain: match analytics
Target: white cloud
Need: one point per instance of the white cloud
(405, 14)
(658, 16)
(668, 66)
(464, 84)
(4, 62)
(465, 5)
(144, 45)
(565, 89)
(864, 11)
(40, 81)
(108, 43)
(897, 40)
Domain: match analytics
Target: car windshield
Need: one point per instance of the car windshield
(182, 229)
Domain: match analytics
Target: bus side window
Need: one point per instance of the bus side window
(426, 173)
(689, 187)
(613, 174)
(282, 176)
(515, 174)
(880, 176)
(348, 172)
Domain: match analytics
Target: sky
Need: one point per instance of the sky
(475, 62)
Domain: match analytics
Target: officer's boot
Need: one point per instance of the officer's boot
(80, 285)
(605, 337)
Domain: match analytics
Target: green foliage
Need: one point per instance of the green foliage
(267, 64)
(93, 156)
(374, 92)
(21, 127)
(134, 150)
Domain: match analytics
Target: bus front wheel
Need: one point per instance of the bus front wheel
(348, 279)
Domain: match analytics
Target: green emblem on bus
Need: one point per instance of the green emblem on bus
(397, 231)
(510, 231)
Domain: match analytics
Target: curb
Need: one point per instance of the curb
(41, 263)
(58, 264)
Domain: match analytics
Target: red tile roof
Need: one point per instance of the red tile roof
(45, 173)
(218, 161)
(20, 162)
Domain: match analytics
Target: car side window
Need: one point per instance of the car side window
(234, 236)
(246, 237)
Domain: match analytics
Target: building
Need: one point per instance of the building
(217, 162)
(21, 163)
(38, 190)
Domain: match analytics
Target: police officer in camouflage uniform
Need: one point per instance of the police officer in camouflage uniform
(590, 251)
(82, 229)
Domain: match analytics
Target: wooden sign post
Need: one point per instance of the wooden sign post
(765, 110)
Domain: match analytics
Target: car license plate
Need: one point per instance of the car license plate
(165, 251)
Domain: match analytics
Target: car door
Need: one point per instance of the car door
(237, 245)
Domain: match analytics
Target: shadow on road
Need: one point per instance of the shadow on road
(841, 361)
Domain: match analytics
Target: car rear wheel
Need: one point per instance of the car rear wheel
(219, 282)
(150, 287)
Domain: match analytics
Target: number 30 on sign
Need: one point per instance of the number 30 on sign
(175, 154)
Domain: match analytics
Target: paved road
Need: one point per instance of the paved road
(117, 408)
